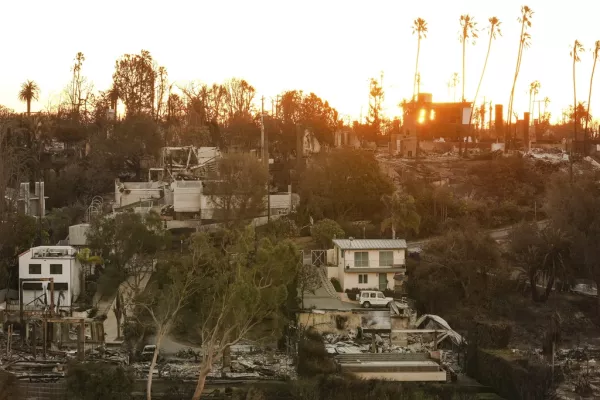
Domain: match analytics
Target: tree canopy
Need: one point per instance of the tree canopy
(344, 184)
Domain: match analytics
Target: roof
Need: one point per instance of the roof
(370, 244)
(430, 321)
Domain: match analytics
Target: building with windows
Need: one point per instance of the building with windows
(368, 263)
(43, 262)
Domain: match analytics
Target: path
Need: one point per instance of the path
(106, 307)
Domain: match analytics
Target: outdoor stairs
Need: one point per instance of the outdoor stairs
(326, 283)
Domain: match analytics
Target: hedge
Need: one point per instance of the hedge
(336, 285)
(490, 335)
(313, 358)
(512, 377)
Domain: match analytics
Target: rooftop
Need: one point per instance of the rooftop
(51, 252)
(370, 244)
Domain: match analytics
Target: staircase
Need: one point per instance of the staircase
(326, 283)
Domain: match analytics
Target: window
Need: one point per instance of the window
(372, 295)
(386, 258)
(32, 285)
(55, 269)
(60, 286)
(380, 295)
(364, 293)
(361, 259)
(363, 278)
(35, 269)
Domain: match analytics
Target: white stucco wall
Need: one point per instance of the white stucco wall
(348, 257)
(71, 269)
(350, 281)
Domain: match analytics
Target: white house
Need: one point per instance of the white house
(368, 263)
(58, 262)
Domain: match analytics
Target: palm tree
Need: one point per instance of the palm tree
(420, 28)
(524, 42)
(29, 91)
(596, 51)
(494, 30)
(402, 213)
(468, 28)
(453, 83)
(534, 90)
(577, 48)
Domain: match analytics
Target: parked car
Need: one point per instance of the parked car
(374, 298)
(148, 352)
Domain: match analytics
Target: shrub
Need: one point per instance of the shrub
(99, 381)
(336, 284)
(491, 335)
(313, 358)
(324, 231)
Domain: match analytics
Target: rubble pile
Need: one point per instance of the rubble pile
(581, 368)
(244, 365)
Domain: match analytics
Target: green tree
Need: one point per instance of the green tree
(402, 214)
(18, 233)
(468, 31)
(99, 381)
(524, 42)
(238, 188)
(494, 30)
(572, 207)
(465, 256)
(324, 231)
(543, 255)
(129, 244)
(164, 300)
(344, 185)
(134, 140)
(29, 91)
(243, 286)
(134, 80)
(420, 28)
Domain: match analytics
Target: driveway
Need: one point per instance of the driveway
(322, 301)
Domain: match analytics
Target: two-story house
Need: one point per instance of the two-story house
(369, 263)
(58, 262)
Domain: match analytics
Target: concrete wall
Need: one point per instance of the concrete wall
(127, 193)
(77, 234)
(71, 269)
(438, 376)
(351, 280)
(326, 322)
(187, 196)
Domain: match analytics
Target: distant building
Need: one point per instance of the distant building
(28, 202)
(58, 262)
(431, 120)
(368, 263)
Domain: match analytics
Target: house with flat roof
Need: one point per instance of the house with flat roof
(368, 263)
(44, 262)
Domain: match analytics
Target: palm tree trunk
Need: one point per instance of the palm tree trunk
(464, 50)
(574, 114)
(487, 56)
(512, 91)
(417, 67)
(589, 101)
(28, 107)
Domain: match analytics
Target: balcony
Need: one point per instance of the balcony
(373, 266)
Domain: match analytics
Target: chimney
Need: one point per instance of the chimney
(499, 121)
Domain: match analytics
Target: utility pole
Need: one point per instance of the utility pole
(265, 156)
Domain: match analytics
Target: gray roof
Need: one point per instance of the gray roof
(370, 244)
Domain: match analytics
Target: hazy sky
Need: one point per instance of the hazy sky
(329, 47)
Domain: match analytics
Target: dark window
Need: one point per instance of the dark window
(32, 285)
(56, 269)
(60, 286)
(35, 269)
(363, 278)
